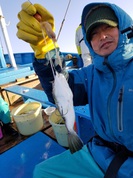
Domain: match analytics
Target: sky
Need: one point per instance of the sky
(66, 41)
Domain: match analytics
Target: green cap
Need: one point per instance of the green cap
(100, 14)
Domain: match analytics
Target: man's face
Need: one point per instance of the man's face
(104, 39)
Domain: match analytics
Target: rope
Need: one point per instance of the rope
(63, 19)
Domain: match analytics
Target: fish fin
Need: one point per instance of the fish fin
(74, 142)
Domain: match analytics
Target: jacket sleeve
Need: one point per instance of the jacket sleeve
(78, 38)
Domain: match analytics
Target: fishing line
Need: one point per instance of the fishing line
(53, 71)
(49, 56)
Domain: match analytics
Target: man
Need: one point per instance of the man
(107, 86)
(82, 49)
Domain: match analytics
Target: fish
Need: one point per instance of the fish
(63, 97)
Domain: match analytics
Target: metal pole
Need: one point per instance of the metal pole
(7, 41)
(2, 59)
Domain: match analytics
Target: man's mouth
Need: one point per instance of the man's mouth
(106, 44)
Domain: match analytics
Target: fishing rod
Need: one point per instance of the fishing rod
(63, 20)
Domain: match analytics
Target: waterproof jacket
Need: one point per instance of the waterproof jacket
(111, 95)
(111, 99)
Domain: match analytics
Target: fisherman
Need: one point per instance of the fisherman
(107, 85)
(5, 119)
(82, 48)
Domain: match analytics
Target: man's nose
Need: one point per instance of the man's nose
(103, 35)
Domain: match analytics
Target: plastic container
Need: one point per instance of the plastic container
(59, 128)
(49, 110)
(28, 118)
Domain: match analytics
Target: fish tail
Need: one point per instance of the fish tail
(74, 142)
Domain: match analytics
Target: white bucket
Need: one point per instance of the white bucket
(28, 118)
(59, 129)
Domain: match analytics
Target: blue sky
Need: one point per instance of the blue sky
(10, 9)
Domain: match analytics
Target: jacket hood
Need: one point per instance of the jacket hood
(124, 51)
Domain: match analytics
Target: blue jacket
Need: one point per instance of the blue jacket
(111, 96)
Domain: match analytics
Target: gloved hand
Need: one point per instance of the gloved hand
(29, 28)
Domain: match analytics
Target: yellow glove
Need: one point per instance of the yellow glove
(30, 28)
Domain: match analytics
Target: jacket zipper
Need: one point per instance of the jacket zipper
(111, 93)
(120, 109)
